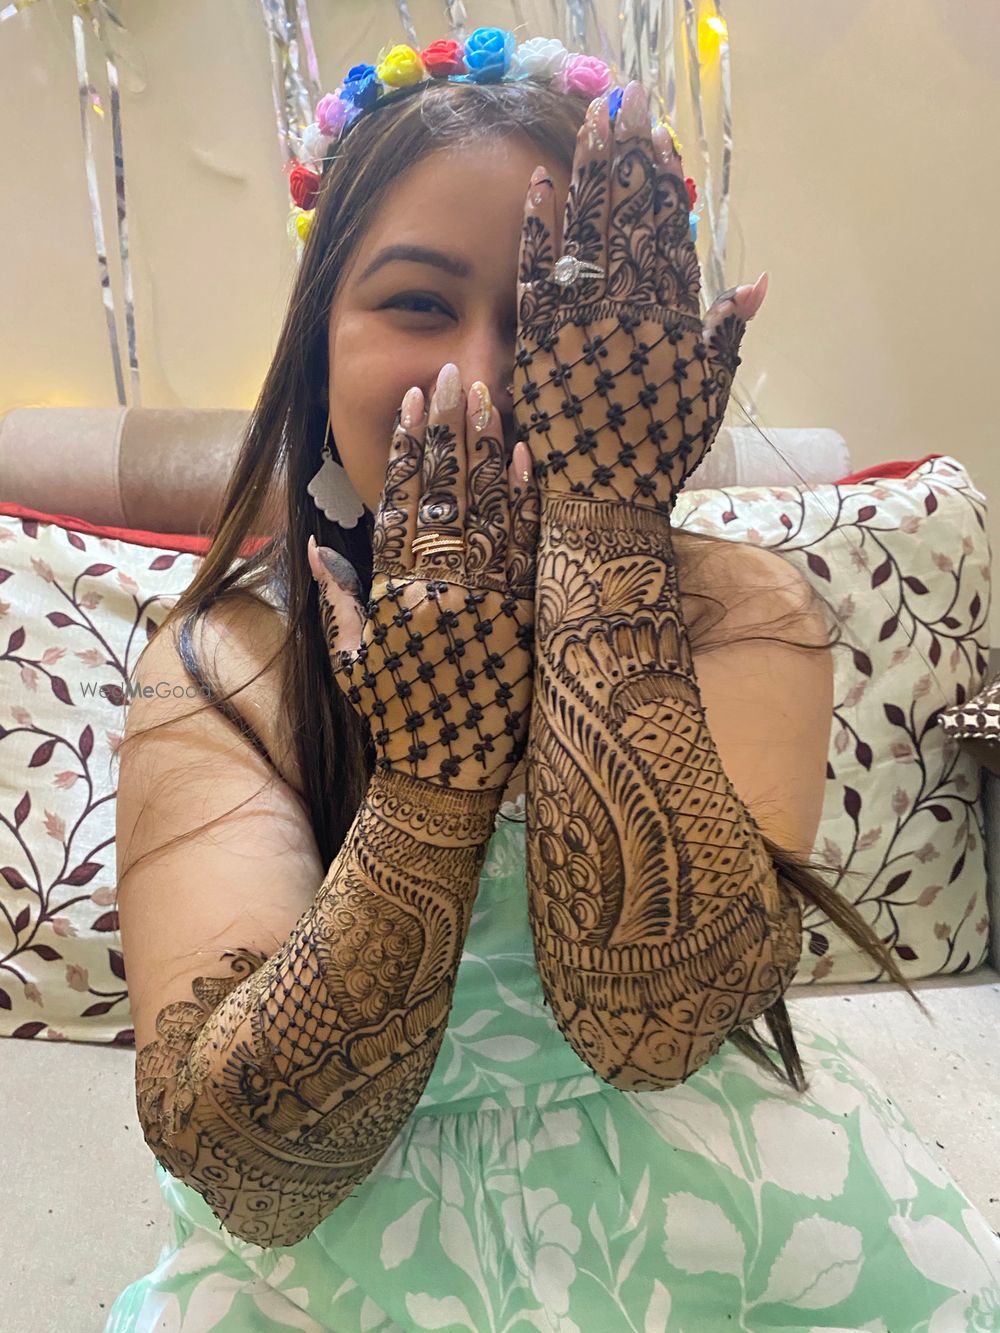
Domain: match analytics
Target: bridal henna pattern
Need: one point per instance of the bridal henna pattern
(658, 921)
(279, 1089)
(616, 386)
(444, 667)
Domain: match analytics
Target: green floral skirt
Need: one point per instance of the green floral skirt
(525, 1193)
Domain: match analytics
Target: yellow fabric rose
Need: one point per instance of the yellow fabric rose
(400, 67)
(303, 225)
(673, 136)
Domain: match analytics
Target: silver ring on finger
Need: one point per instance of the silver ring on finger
(568, 269)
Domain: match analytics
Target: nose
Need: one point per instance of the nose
(486, 353)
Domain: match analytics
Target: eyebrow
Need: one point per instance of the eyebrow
(417, 254)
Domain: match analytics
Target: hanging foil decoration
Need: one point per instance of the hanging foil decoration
(295, 92)
(576, 27)
(668, 88)
(100, 16)
(640, 42)
(407, 20)
(718, 212)
(457, 19)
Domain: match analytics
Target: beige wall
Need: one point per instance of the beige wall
(865, 140)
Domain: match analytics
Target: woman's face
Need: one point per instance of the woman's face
(395, 321)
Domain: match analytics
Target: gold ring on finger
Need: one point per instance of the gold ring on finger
(433, 543)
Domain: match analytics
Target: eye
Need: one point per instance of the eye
(417, 303)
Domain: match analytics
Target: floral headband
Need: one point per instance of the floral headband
(489, 55)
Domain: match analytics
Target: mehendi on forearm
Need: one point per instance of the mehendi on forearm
(277, 1091)
(658, 920)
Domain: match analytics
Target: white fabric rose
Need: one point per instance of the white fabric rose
(538, 58)
(315, 142)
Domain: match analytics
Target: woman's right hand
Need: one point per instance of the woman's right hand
(440, 661)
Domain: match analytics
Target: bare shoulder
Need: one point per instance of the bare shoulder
(768, 701)
(240, 644)
(215, 850)
(757, 589)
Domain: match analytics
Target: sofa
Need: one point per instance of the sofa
(85, 1216)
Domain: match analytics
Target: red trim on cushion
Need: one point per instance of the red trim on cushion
(169, 541)
(898, 468)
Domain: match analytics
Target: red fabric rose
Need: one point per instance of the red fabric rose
(304, 185)
(444, 57)
(692, 191)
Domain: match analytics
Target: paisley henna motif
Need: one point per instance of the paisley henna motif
(658, 920)
(279, 1089)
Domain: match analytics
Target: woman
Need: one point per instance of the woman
(442, 1070)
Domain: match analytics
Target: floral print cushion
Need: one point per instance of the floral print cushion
(76, 610)
(903, 565)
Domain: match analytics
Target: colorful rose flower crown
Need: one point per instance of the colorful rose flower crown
(489, 55)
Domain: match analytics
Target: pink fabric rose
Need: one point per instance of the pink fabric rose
(332, 114)
(585, 76)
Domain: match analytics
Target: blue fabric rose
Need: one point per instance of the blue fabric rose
(488, 54)
(361, 86)
(614, 102)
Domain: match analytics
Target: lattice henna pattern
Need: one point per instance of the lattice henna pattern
(619, 392)
(658, 920)
(279, 1090)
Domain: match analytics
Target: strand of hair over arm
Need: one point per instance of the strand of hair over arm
(279, 1089)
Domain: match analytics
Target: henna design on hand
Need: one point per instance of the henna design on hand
(277, 1091)
(281, 1087)
(620, 387)
(443, 672)
(658, 921)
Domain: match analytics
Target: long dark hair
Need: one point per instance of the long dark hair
(281, 451)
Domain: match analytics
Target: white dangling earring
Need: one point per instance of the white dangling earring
(332, 491)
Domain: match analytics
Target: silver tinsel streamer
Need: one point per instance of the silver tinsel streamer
(457, 19)
(669, 83)
(407, 20)
(715, 276)
(79, 40)
(295, 93)
(100, 15)
(640, 44)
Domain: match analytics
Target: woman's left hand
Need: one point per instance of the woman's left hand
(620, 387)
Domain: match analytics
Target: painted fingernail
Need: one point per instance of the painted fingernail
(633, 116)
(663, 144)
(448, 390)
(598, 123)
(412, 408)
(342, 572)
(755, 296)
(480, 405)
(521, 458)
(540, 178)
